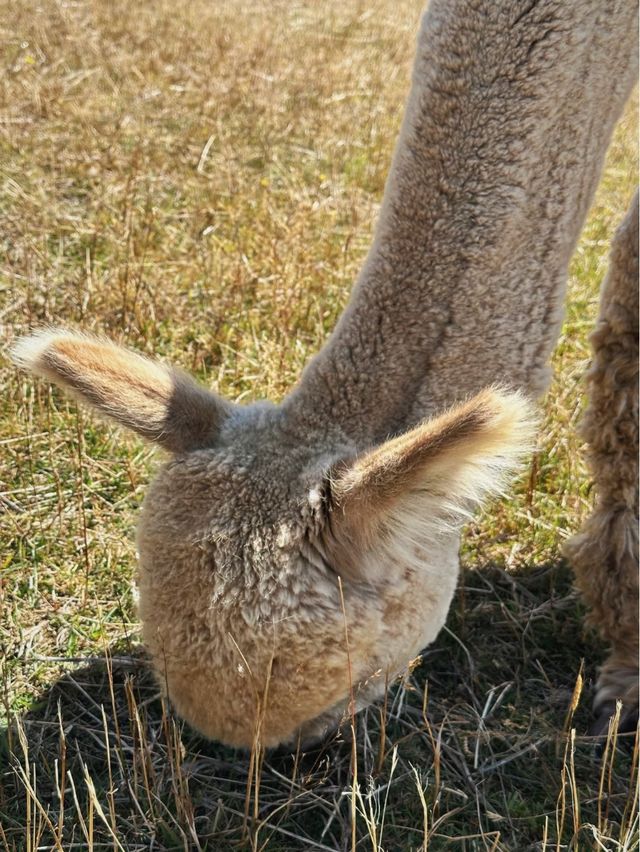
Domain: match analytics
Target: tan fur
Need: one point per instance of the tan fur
(508, 120)
(294, 557)
(605, 552)
(239, 577)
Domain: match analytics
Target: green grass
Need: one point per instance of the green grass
(201, 180)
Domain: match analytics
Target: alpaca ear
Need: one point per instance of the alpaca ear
(161, 404)
(411, 489)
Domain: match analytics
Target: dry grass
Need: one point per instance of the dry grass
(200, 179)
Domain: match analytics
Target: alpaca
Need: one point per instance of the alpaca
(604, 554)
(294, 558)
(284, 572)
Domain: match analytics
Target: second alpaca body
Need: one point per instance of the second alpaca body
(293, 554)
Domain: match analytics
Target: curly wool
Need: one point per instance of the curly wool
(604, 554)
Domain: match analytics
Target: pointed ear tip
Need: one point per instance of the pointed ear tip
(513, 415)
(27, 351)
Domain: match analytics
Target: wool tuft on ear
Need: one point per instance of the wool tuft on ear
(427, 481)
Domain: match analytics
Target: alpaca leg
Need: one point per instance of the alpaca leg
(604, 553)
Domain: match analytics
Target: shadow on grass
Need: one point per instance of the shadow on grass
(472, 751)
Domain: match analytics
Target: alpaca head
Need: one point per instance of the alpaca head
(285, 573)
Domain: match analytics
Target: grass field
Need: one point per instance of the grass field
(200, 180)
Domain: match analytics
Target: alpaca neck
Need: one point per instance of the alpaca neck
(510, 113)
